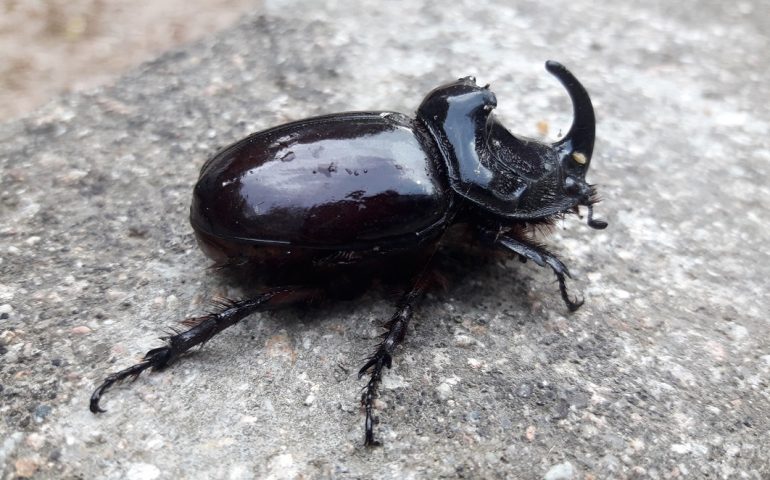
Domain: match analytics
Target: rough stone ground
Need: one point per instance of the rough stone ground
(662, 374)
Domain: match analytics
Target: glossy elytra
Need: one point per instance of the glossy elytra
(320, 207)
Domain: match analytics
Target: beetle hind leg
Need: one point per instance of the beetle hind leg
(383, 356)
(203, 329)
(543, 258)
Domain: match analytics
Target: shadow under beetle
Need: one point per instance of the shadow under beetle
(322, 206)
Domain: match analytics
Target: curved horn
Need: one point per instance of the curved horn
(581, 135)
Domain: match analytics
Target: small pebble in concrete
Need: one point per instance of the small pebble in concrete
(562, 471)
(142, 471)
(529, 433)
(737, 332)
(35, 441)
(444, 391)
(282, 467)
(26, 467)
(42, 411)
(475, 363)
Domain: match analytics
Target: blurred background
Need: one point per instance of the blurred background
(48, 47)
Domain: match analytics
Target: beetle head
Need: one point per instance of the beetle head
(554, 174)
(506, 175)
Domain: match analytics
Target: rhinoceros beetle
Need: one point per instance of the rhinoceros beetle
(322, 206)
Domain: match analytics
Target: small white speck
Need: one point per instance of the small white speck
(474, 363)
(172, 301)
(282, 467)
(392, 381)
(680, 448)
(737, 332)
(142, 471)
(444, 391)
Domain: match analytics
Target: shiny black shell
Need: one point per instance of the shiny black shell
(354, 180)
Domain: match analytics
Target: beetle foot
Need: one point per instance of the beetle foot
(203, 329)
(572, 305)
(157, 358)
(369, 394)
(561, 271)
(543, 258)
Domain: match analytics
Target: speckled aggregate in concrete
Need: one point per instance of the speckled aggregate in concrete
(662, 374)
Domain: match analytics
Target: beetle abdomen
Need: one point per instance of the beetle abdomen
(337, 181)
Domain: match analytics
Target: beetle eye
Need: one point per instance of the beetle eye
(579, 158)
(571, 187)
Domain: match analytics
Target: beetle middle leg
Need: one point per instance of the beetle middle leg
(542, 257)
(383, 356)
(203, 329)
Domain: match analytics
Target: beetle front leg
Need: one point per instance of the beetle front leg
(383, 356)
(203, 329)
(542, 257)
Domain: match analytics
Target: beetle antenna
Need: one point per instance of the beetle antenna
(595, 223)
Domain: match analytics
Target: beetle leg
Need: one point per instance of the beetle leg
(383, 356)
(203, 329)
(542, 257)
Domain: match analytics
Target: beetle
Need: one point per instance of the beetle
(321, 206)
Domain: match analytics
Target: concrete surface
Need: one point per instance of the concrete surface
(663, 374)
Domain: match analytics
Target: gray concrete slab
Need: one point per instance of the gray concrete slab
(662, 374)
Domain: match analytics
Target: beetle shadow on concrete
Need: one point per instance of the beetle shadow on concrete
(462, 270)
